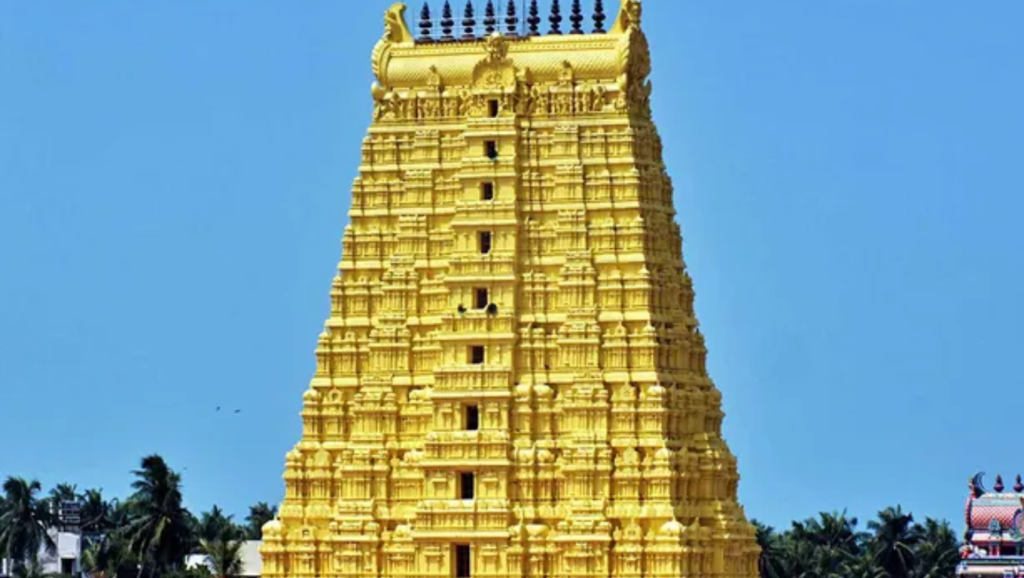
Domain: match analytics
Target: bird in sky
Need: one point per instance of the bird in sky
(238, 411)
(218, 408)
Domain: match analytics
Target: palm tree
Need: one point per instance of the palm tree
(159, 533)
(225, 556)
(106, 556)
(221, 540)
(937, 552)
(825, 547)
(258, 516)
(95, 560)
(64, 493)
(771, 563)
(97, 513)
(214, 525)
(60, 494)
(25, 522)
(894, 541)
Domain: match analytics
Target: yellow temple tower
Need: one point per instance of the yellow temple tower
(511, 382)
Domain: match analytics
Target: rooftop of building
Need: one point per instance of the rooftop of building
(252, 563)
(996, 514)
(456, 52)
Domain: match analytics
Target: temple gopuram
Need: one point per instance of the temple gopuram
(993, 543)
(512, 381)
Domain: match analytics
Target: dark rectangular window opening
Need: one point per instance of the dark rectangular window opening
(476, 354)
(467, 486)
(462, 561)
(472, 417)
(67, 566)
(485, 242)
(487, 191)
(493, 107)
(491, 150)
(481, 299)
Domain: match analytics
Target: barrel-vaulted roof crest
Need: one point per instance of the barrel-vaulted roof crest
(402, 61)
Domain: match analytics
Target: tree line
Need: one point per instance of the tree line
(831, 546)
(148, 535)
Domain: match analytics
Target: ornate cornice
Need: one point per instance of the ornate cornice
(620, 56)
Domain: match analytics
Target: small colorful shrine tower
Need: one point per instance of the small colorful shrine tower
(512, 381)
(993, 543)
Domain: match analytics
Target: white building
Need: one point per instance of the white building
(252, 563)
(66, 559)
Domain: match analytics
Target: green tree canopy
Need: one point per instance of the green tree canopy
(830, 546)
(98, 514)
(159, 533)
(24, 522)
(214, 525)
(259, 515)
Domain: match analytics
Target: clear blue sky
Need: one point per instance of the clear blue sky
(174, 182)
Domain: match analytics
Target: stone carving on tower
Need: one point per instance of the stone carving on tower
(512, 381)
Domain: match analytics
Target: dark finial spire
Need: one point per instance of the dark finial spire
(599, 17)
(468, 22)
(446, 22)
(999, 484)
(511, 20)
(426, 24)
(977, 487)
(534, 19)
(556, 18)
(490, 21)
(576, 18)
(1018, 486)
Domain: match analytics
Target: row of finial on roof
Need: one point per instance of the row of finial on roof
(998, 487)
(492, 24)
(1018, 486)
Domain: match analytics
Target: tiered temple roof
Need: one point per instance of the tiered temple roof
(993, 540)
(512, 381)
